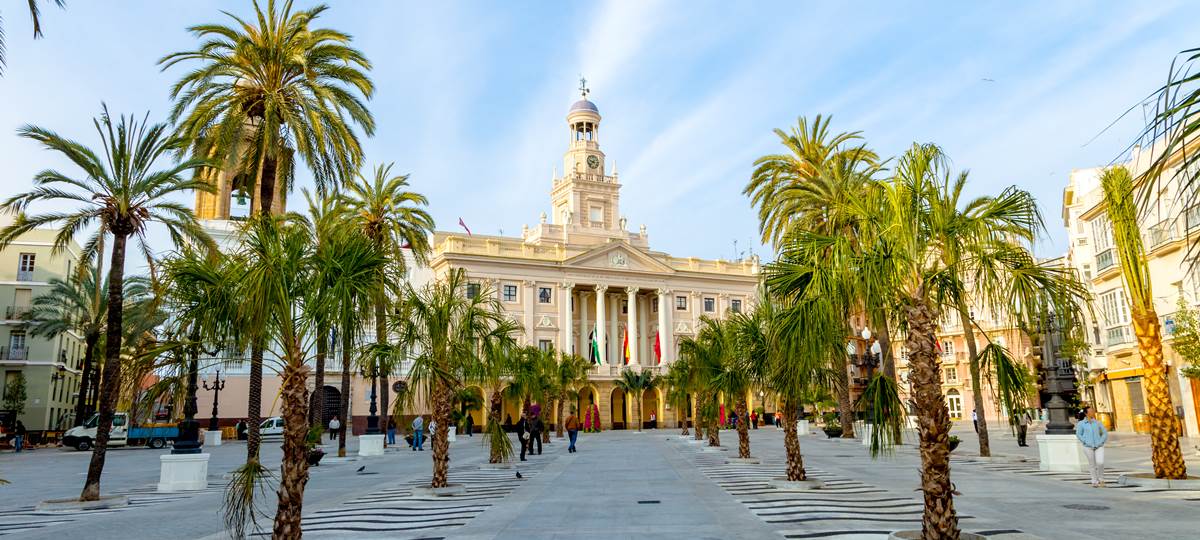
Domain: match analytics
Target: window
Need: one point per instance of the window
(510, 293)
(544, 295)
(1101, 234)
(947, 348)
(654, 306)
(951, 374)
(472, 290)
(710, 305)
(16, 345)
(596, 215)
(545, 345)
(25, 266)
(735, 306)
(624, 307)
(1114, 307)
(954, 404)
(680, 303)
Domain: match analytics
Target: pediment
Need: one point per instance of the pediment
(618, 256)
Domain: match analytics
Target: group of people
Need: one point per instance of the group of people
(16, 436)
(733, 419)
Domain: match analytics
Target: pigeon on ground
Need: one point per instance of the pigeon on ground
(360, 469)
(519, 475)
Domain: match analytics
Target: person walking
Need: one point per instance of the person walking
(1092, 436)
(1023, 421)
(572, 425)
(754, 420)
(522, 429)
(418, 426)
(334, 426)
(535, 433)
(470, 426)
(975, 420)
(391, 433)
(19, 436)
(241, 430)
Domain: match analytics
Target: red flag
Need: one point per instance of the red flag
(658, 346)
(464, 226)
(627, 346)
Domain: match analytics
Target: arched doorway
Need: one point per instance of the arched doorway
(475, 407)
(955, 404)
(650, 416)
(617, 409)
(333, 401)
(510, 412)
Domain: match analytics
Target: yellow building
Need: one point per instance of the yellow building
(1115, 366)
(580, 274)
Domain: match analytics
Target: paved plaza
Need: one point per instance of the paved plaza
(620, 485)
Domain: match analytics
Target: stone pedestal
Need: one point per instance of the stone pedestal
(452, 434)
(183, 472)
(370, 445)
(1061, 453)
(802, 427)
(212, 438)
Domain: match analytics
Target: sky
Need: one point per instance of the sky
(472, 96)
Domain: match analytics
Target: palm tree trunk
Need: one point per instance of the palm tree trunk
(1164, 435)
(294, 475)
(266, 188)
(743, 429)
(81, 403)
(697, 422)
(112, 368)
(494, 419)
(381, 338)
(714, 426)
(884, 336)
(254, 406)
(316, 416)
(964, 314)
(791, 443)
(558, 415)
(845, 407)
(345, 413)
(940, 522)
(639, 411)
(441, 446)
(683, 410)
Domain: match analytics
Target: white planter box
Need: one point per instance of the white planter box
(212, 438)
(1061, 453)
(370, 445)
(183, 472)
(802, 427)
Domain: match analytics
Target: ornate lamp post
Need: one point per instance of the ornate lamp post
(1058, 378)
(217, 386)
(189, 429)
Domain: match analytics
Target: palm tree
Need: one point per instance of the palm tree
(567, 376)
(449, 333)
(74, 305)
(1118, 188)
(296, 85)
(527, 378)
(678, 384)
(121, 190)
(635, 383)
(708, 352)
(35, 13)
(494, 364)
(393, 219)
(326, 217)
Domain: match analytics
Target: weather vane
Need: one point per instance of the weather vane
(583, 89)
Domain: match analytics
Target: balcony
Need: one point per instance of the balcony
(1118, 335)
(1162, 233)
(14, 353)
(1191, 218)
(1105, 259)
(24, 275)
(13, 313)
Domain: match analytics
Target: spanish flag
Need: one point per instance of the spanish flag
(627, 346)
(658, 347)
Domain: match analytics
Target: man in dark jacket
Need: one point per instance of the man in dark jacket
(523, 435)
(535, 434)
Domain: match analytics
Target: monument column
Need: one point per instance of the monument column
(664, 331)
(631, 325)
(601, 290)
(564, 317)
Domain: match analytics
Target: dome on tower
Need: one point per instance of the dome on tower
(584, 105)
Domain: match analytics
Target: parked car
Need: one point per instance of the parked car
(155, 435)
(271, 427)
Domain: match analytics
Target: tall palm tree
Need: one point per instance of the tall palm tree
(448, 331)
(298, 86)
(635, 383)
(393, 219)
(326, 218)
(1166, 455)
(568, 375)
(678, 385)
(708, 351)
(491, 371)
(527, 378)
(122, 190)
(74, 305)
(35, 13)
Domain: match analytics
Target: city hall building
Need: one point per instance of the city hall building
(582, 277)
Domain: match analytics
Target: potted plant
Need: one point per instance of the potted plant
(953, 442)
(312, 442)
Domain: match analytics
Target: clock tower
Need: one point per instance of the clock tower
(585, 199)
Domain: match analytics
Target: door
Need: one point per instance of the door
(120, 430)
(954, 403)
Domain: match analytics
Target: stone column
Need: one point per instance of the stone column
(601, 290)
(529, 299)
(631, 325)
(664, 331)
(584, 329)
(564, 317)
(645, 353)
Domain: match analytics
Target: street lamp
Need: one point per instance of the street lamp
(1059, 378)
(188, 441)
(218, 385)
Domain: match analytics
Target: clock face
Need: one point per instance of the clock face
(593, 161)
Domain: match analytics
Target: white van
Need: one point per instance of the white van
(271, 427)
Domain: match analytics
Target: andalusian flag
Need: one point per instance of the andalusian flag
(627, 346)
(658, 347)
(594, 348)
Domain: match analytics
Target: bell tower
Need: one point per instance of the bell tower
(584, 198)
